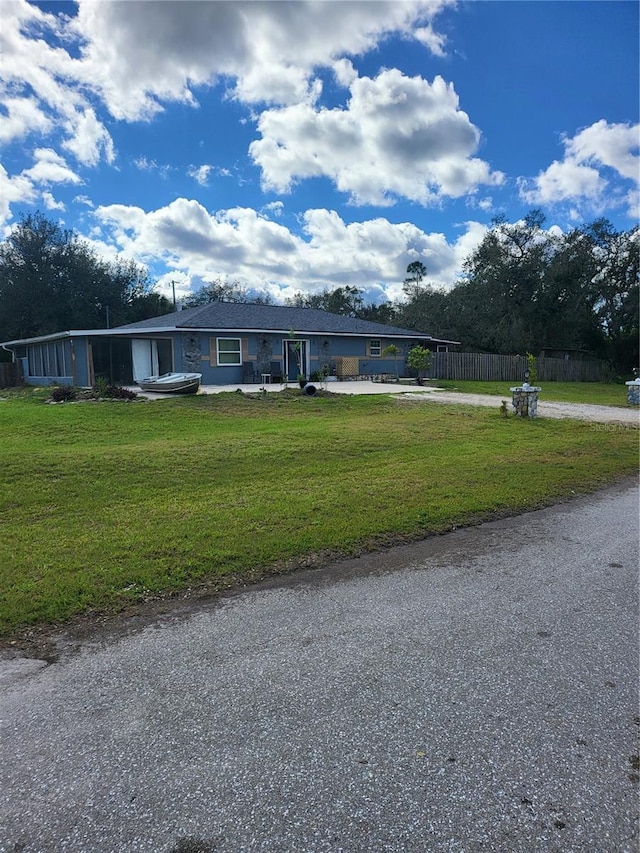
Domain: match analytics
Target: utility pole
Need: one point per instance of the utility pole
(173, 286)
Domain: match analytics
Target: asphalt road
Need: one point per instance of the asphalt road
(476, 692)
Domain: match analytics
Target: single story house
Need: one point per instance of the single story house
(228, 343)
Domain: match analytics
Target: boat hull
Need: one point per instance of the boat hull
(172, 383)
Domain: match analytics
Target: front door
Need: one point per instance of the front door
(296, 355)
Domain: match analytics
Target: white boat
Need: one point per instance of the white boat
(172, 383)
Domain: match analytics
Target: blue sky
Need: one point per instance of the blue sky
(298, 146)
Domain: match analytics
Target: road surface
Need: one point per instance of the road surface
(475, 692)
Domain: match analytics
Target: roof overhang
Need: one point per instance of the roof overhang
(156, 330)
(216, 330)
(74, 333)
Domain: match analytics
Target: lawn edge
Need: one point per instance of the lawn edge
(49, 641)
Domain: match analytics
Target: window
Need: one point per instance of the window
(375, 347)
(229, 351)
(47, 359)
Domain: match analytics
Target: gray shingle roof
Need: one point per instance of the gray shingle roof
(248, 317)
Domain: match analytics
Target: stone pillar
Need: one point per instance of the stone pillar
(525, 400)
(633, 392)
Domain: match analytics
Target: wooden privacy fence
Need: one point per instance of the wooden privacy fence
(511, 368)
(10, 374)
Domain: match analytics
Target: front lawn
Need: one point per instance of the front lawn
(599, 393)
(104, 504)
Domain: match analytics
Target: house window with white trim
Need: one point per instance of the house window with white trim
(229, 351)
(375, 347)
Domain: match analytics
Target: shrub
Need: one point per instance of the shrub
(63, 394)
(100, 386)
(419, 360)
(102, 389)
(116, 392)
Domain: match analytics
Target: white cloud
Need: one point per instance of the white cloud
(632, 200)
(242, 244)
(398, 136)
(83, 199)
(50, 168)
(563, 181)
(434, 41)
(26, 188)
(344, 72)
(599, 161)
(270, 49)
(88, 140)
(276, 208)
(13, 190)
(145, 165)
(40, 80)
(135, 57)
(23, 116)
(50, 202)
(610, 145)
(200, 174)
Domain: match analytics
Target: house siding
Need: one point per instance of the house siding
(261, 351)
(188, 341)
(197, 352)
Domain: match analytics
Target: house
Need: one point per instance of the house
(229, 343)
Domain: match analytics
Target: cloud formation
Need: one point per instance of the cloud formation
(137, 56)
(269, 50)
(582, 175)
(241, 243)
(292, 75)
(133, 58)
(397, 136)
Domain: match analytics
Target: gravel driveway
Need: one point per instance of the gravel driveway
(474, 692)
(580, 411)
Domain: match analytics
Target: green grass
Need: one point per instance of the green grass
(599, 393)
(104, 504)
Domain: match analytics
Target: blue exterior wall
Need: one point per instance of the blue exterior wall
(197, 352)
(262, 350)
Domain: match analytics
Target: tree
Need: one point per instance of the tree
(51, 280)
(223, 290)
(419, 359)
(343, 300)
(501, 285)
(616, 286)
(147, 305)
(385, 313)
(347, 301)
(429, 309)
(527, 289)
(416, 272)
(393, 350)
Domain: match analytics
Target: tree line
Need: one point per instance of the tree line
(51, 280)
(525, 289)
